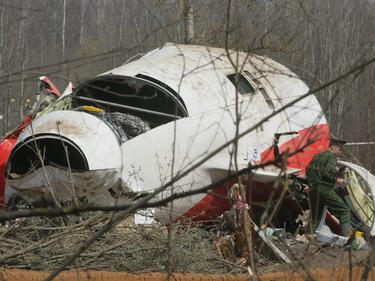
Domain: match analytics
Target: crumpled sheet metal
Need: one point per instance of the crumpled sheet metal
(53, 185)
(369, 178)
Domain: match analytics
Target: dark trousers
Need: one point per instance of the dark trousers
(321, 195)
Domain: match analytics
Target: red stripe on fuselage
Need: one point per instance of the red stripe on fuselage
(211, 206)
(317, 136)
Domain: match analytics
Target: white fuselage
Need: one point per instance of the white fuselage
(217, 113)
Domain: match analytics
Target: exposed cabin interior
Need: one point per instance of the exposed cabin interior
(141, 96)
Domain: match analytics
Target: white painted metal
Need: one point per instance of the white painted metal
(68, 90)
(63, 186)
(198, 75)
(368, 178)
(96, 139)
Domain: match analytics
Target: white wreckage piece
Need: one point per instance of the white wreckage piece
(133, 128)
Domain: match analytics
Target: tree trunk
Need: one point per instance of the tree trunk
(82, 21)
(63, 29)
(189, 21)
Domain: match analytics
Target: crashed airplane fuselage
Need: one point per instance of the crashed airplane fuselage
(135, 127)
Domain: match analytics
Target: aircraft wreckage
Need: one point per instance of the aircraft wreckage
(133, 128)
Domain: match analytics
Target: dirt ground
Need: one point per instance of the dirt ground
(314, 256)
(339, 274)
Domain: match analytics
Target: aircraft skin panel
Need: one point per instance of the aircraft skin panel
(92, 135)
(198, 73)
(367, 199)
(199, 61)
(195, 137)
(92, 185)
(218, 205)
(318, 134)
(143, 180)
(360, 202)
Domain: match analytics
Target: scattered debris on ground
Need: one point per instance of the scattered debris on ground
(42, 244)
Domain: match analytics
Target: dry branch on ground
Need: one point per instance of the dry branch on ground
(42, 244)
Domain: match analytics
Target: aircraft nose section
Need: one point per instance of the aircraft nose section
(64, 151)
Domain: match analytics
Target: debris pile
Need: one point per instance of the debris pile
(42, 244)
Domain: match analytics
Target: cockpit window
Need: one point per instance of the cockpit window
(137, 96)
(243, 86)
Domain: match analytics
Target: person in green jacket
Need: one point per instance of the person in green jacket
(322, 175)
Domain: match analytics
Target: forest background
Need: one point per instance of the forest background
(72, 40)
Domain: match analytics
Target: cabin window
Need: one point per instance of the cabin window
(243, 86)
(261, 90)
